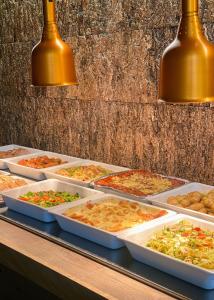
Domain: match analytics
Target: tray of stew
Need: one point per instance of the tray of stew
(33, 165)
(10, 151)
(137, 184)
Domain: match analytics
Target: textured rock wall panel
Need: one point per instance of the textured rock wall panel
(175, 140)
(113, 114)
(117, 43)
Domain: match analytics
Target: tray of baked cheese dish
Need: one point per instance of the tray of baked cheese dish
(82, 172)
(137, 184)
(103, 219)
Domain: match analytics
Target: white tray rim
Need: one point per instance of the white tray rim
(3, 161)
(127, 238)
(145, 198)
(183, 190)
(14, 160)
(51, 171)
(58, 211)
(43, 182)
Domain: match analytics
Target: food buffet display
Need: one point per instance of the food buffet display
(11, 151)
(137, 183)
(112, 210)
(83, 172)
(8, 182)
(195, 199)
(181, 246)
(104, 218)
(33, 165)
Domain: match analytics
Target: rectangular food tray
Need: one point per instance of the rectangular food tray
(161, 199)
(136, 243)
(37, 174)
(117, 192)
(102, 237)
(50, 173)
(41, 213)
(3, 161)
(119, 260)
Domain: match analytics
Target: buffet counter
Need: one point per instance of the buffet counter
(65, 273)
(93, 230)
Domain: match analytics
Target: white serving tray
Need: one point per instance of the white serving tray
(28, 181)
(99, 236)
(35, 211)
(3, 161)
(51, 172)
(161, 199)
(4, 173)
(136, 243)
(37, 174)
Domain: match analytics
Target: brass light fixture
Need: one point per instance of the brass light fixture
(187, 65)
(52, 59)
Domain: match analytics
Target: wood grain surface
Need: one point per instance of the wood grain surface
(113, 115)
(65, 273)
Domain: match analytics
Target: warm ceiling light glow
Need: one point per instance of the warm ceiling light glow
(187, 65)
(52, 59)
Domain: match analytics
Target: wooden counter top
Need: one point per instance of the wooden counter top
(65, 273)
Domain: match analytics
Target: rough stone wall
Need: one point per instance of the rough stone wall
(113, 115)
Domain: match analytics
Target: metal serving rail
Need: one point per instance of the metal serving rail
(119, 260)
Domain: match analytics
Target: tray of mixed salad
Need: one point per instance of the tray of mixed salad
(182, 246)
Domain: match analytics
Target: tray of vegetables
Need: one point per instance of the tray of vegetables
(38, 199)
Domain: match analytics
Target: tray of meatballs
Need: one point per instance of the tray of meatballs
(194, 199)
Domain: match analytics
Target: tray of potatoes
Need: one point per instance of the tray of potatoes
(194, 199)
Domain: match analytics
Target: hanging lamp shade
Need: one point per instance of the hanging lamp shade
(187, 65)
(52, 59)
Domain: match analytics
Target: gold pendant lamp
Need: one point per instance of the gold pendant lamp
(52, 59)
(187, 65)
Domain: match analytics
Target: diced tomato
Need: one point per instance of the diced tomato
(201, 236)
(185, 234)
(22, 198)
(161, 213)
(197, 229)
